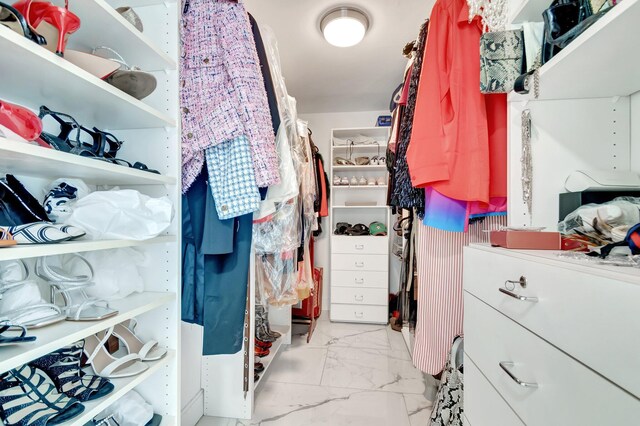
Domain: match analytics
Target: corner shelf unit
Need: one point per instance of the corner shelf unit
(33, 76)
(359, 283)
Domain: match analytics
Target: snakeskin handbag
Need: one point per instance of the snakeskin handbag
(502, 60)
(448, 408)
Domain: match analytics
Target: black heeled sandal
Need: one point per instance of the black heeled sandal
(15, 21)
(61, 142)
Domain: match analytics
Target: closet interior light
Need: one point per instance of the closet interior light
(344, 26)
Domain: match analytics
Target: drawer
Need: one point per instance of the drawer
(360, 296)
(359, 279)
(589, 317)
(356, 245)
(359, 262)
(483, 405)
(555, 389)
(360, 313)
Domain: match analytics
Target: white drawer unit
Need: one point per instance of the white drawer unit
(360, 245)
(359, 279)
(359, 262)
(556, 344)
(360, 296)
(359, 313)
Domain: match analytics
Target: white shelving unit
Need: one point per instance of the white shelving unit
(33, 76)
(359, 283)
(274, 351)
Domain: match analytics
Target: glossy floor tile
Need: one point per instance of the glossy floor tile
(349, 374)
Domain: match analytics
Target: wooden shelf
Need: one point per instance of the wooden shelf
(101, 25)
(338, 168)
(602, 62)
(68, 88)
(38, 250)
(273, 353)
(67, 332)
(21, 158)
(122, 386)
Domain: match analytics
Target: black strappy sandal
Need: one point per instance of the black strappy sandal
(15, 21)
(357, 230)
(61, 142)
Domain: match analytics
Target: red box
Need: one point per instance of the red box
(526, 240)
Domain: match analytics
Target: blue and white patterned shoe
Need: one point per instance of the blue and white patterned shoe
(29, 398)
(37, 233)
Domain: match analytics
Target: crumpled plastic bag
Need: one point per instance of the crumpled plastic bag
(610, 220)
(121, 214)
(130, 410)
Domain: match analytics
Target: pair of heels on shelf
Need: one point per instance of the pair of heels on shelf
(41, 21)
(24, 221)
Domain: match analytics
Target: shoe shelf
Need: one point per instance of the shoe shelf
(358, 186)
(370, 146)
(273, 353)
(122, 386)
(359, 207)
(64, 333)
(21, 158)
(103, 26)
(362, 168)
(31, 74)
(37, 250)
(573, 73)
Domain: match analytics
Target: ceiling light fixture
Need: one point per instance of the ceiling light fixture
(344, 26)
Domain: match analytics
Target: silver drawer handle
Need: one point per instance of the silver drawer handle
(359, 264)
(522, 282)
(359, 280)
(358, 314)
(359, 298)
(518, 296)
(359, 246)
(505, 367)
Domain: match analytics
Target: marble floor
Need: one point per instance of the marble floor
(350, 374)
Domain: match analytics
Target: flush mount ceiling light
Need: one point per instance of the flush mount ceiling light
(344, 26)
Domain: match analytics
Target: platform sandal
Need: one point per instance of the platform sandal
(106, 365)
(78, 306)
(29, 398)
(149, 351)
(63, 367)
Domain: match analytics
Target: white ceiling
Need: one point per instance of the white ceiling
(324, 78)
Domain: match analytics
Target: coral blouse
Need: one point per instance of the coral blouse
(459, 138)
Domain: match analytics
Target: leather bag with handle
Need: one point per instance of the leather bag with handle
(502, 60)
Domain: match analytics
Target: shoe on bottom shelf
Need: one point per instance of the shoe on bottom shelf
(130, 410)
(29, 397)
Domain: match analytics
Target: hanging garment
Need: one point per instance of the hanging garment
(459, 136)
(440, 307)
(222, 91)
(215, 269)
(405, 195)
(452, 215)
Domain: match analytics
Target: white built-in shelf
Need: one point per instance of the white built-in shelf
(529, 11)
(65, 333)
(38, 250)
(358, 186)
(273, 352)
(602, 62)
(21, 158)
(36, 75)
(359, 207)
(122, 386)
(339, 168)
(139, 3)
(374, 146)
(551, 257)
(101, 25)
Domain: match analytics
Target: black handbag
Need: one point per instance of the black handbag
(565, 20)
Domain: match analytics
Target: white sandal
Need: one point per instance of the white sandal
(149, 351)
(106, 365)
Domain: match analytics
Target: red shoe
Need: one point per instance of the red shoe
(20, 121)
(263, 344)
(261, 352)
(64, 21)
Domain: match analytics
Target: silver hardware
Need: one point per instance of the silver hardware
(359, 264)
(359, 298)
(505, 367)
(522, 281)
(518, 296)
(526, 162)
(359, 246)
(359, 280)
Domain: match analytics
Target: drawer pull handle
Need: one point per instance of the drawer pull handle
(359, 280)
(359, 264)
(518, 296)
(522, 281)
(359, 298)
(358, 314)
(505, 367)
(359, 246)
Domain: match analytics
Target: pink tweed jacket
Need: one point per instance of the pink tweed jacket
(222, 92)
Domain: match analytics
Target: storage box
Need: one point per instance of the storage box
(526, 240)
(570, 201)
